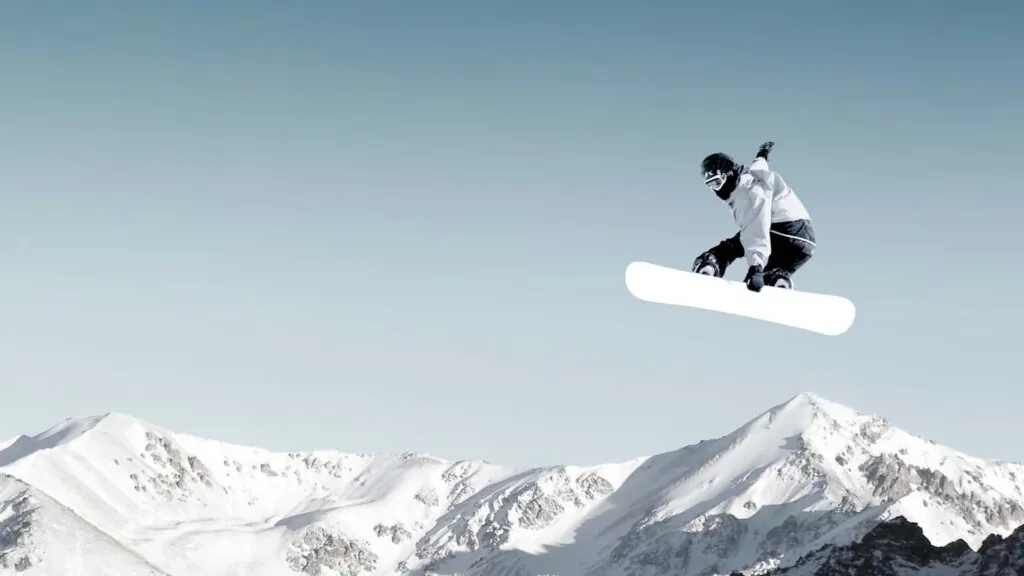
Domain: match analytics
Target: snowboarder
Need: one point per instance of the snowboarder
(775, 236)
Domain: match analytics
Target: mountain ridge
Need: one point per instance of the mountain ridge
(898, 547)
(804, 473)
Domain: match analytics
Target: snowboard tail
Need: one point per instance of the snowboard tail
(821, 313)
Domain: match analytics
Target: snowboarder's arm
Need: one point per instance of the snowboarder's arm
(761, 171)
(753, 212)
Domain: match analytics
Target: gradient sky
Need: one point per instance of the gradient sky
(403, 225)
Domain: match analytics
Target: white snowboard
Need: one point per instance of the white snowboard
(822, 313)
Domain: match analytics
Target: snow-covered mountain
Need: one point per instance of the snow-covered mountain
(898, 547)
(114, 495)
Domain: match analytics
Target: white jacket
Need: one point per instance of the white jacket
(760, 199)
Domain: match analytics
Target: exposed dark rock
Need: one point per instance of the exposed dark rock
(899, 548)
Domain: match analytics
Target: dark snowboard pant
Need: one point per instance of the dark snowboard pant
(793, 245)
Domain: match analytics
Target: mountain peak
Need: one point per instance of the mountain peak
(54, 436)
(807, 397)
(812, 419)
(814, 405)
(102, 428)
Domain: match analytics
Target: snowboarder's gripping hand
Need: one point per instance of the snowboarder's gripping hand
(708, 265)
(765, 149)
(755, 278)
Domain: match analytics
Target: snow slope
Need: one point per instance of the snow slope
(39, 536)
(802, 474)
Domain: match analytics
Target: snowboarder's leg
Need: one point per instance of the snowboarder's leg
(792, 246)
(717, 259)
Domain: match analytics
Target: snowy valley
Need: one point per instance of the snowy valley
(803, 481)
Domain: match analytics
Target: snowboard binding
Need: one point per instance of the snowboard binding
(778, 278)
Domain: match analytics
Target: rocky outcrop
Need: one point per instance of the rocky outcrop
(485, 522)
(318, 549)
(16, 547)
(899, 548)
(396, 533)
(892, 478)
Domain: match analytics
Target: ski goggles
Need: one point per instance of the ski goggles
(714, 180)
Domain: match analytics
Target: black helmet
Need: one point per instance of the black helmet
(719, 162)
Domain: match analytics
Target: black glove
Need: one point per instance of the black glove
(708, 265)
(755, 278)
(765, 148)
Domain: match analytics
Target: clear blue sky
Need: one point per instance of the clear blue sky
(401, 226)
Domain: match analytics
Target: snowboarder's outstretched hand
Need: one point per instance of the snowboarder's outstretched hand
(755, 278)
(765, 149)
